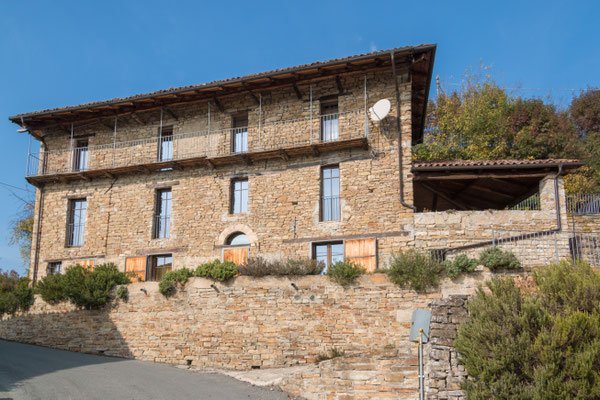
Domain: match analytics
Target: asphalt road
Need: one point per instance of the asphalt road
(32, 372)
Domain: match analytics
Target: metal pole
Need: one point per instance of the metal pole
(114, 141)
(421, 384)
(259, 118)
(208, 136)
(493, 238)
(366, 115)
(311, 121)
(28, 157)
(556, 246)
(71, 162)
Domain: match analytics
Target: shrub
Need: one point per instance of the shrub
(51, 288)
(332, 353)
(414, 269)
(543, 344)
(461, 264)
(167, 285)
(258, 266)
(91, 289)
(345, 272)
(217, 270)
(496, 259)
(122, 292)
(15, 293)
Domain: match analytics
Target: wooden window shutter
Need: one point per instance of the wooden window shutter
(362, 252)
(137, 266)
(237, 255)
(89, 264)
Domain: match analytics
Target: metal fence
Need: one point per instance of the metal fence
(208, 143)
(531, 203)
(583, 203)
(532, 248)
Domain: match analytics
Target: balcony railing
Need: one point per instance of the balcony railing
(265, 137)
(583, 203)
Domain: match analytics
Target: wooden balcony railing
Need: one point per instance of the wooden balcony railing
(326, 132)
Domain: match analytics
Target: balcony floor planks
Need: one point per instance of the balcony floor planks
(179, 164)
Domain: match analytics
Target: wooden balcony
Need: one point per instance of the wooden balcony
(212, 149)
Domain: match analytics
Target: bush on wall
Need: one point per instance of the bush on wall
(15, 293)
(258, 266)
(91, 289)
(170, 280)
(52, 288)
(460, 265)
(496, 259)
(345, 272)
(217, 270)
(414, 269)
(543, 344)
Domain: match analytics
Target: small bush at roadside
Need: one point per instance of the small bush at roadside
(15, 293)
(51, 288)
(91, 289)
(496, 259)
(461, 264)
(258, 266)
(414, 269)
(345, 272)
(170, 280)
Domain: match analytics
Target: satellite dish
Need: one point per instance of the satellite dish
(380, 110)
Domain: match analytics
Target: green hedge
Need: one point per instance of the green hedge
(414, 269)
(541, 344)
(16, 293)
(496, 259)
(345, 272)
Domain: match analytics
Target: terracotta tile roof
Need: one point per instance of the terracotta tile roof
(458, 164)
(315, 64)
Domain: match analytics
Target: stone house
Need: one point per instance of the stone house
(285, 163)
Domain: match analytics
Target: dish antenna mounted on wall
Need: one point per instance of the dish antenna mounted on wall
(380, 110)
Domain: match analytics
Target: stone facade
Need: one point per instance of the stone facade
(284, 195)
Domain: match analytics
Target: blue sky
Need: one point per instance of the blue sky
(69, 52)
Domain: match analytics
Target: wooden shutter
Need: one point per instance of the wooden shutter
(237, 255)
(137, 266)
(89, 264)
(362, 252)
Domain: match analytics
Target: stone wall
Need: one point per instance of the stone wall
(284, 195)
(259, 323)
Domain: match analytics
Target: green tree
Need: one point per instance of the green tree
(21, 230)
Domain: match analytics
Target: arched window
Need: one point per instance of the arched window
(237, 238)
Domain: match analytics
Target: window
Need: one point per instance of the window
(162, 216)
(80, 155)
(54, 268)
(76, 222)
(328, 253)
(160, 264)
(330, 193)
(239, 134)
(165, 150)
(329, 121)
(239, 196)
(237, 239)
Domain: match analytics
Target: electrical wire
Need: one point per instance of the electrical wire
(524, 88)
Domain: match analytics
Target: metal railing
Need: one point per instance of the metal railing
(532, 248)
(583, 203)
(208, 143)
(531, 203)
(330, 208)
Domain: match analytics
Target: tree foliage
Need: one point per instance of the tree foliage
(543, 344)
(15, 293)
(482, 120)
(21, 230)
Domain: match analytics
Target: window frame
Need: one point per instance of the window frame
(81, 147)
(168, 132)
(328, 243)
(151, 262)
(70, 230)
(157, 228)
(322, 196)
(232, 196)
(238, 122)
(326, 120)
(51, 268)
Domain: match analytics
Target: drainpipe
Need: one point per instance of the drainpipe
(557, 198)
(36, 256)
(399, 127)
